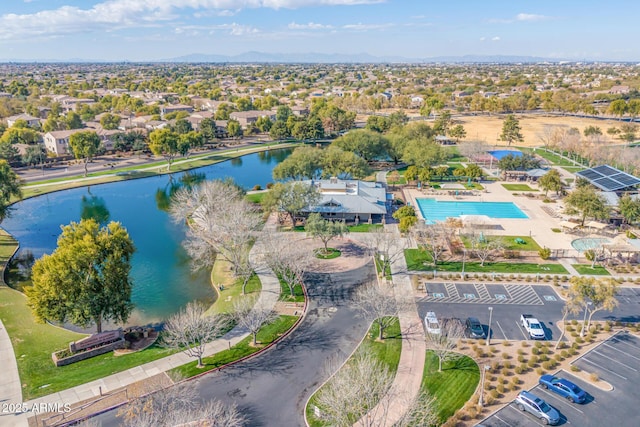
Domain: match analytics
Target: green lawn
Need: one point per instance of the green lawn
(363, 228)
(418, 260)
(266, 335)
(553, 158)
(387, 352)
(285, 293)
(518, 187)
(585, 269)
(509, 242)
(387, 272)
(256, 197)
(452, 387)
(573, 169)
(232, 289)
(331, 253)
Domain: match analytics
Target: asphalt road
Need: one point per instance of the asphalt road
(615, 361)
(272, 389)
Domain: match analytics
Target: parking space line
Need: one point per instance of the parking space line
(526, 337)
(623, 352)
(604, 369)
(618, 341)
(501, 330)
(614, 360)
(502, 421)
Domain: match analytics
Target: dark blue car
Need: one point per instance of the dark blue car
(564, 388)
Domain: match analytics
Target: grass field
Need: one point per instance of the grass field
(387, 352)
(256, 197)
(518, 187)
(585, 269)
(508, 242)
(452, 387)
(418, 260)
(266, 336)
(232, 289)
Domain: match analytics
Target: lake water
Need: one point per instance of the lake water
(163, 280)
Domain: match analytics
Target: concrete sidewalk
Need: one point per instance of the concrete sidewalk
(10, 390)
(406, 384)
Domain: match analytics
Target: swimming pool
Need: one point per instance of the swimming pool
(587, 243)
(435, 210)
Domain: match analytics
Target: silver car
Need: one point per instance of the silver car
(539, 408)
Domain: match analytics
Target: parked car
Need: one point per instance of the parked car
(431, 323)
(531, 403)
(474, 328)
(564, 388)
(533, 327)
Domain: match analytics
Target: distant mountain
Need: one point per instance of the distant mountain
(336, 58)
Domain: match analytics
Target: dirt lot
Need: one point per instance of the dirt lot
(488, 128)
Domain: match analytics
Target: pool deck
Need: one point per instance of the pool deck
(538, 225)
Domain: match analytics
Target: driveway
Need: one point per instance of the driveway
(616, 362)
(272, 389)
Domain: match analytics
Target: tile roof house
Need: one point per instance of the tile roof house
(350, 200)
(246, 118)
(31, 121)
(57, 142)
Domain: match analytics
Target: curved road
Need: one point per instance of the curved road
(272, 389)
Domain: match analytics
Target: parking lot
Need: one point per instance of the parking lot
(616, 362)
(507, 302)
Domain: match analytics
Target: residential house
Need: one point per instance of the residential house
(166, 109)
(57, 142)
(31, 121)
(246, 118)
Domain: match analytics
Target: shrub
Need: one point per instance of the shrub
(495, 393)
(257, 187)
(499, 388)
(505, 371)
(507, 364)
(535, 350)
(564, 354)
(594, 377)
(269, 185)
(495, 366)
(540, 371)
(548, 365)
(531, 363)
(544, 253)
(506, 343)
(521, 358)
(520, 369)
(506, 356)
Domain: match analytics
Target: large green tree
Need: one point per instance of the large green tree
(587, 203)
(551, 181)
(291, 198)
(304, 163)
(86, 280)
(422, 153)
(9, 187)
(85, 146)
(511, 131)
(365, 143)
(323, 229)
(629, 209)
(164, 142)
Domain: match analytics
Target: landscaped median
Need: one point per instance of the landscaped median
(418, 260)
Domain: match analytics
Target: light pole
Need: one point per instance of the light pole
(464, 256)
(486, 368)
(489, 330)
(584, 320)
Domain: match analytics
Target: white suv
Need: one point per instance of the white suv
(431, 323)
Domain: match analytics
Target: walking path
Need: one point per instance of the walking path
(406, 384)
(10, 393)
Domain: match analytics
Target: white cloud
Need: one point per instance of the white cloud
(114, 14)
(531, 17)
(366, 27)
(309, 26)
(233, 29)
(482, 39)
(495, 39)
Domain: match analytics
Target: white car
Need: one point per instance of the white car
(431, 323)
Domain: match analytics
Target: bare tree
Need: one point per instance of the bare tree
(421, 412)
(252, 316)
(179, 405)
(359, 385)
(190, 330)
(221, 222)
(387, 247)
(442, 344)
(484, 248)
(433, 239)
(472, 149)
(377, 305)
(245, 271)
(287, 260)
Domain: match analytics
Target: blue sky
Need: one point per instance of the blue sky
(138, 30)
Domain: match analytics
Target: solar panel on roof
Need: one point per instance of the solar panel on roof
(626, 179)
(589, 174)
(606, 170)
(607, 184)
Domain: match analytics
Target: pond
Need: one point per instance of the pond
(161, 271)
